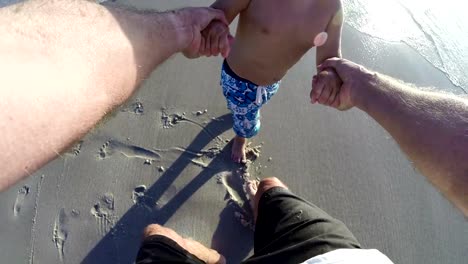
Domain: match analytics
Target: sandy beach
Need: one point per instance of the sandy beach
(164, 157)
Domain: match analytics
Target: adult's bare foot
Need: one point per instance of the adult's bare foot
(251, 188)
(238, 150)
(205, 254)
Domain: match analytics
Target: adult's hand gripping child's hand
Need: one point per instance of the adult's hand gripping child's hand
(326, 89)
(216, 40)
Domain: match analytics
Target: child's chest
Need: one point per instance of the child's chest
(299, 20)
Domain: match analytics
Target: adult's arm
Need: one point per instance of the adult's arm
(431, 128)
(65, 64)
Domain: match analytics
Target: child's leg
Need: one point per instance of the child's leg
(239, 103)
(246, 125)
(243, 100)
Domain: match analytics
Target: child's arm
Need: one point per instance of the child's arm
(332, 47)
(327, 83)
(231, 8)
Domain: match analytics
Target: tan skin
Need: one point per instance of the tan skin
(393, 105)
(205, 254)
(254, 191)
(69, 85)
(431, 128)
(268, 43)
(443, 163)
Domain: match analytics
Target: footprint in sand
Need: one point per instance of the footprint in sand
(138, 194)
(253, 153)
(250, 188)
(233, 183)
(140, 197)
(248, 219)
(103, 212)
(129, 151)
(106, 150)
(171, 120)
(240, 193)
(20, 197)
(75, 213)
(60, 233)
(240, 189)
(75, 150)
(135, 108)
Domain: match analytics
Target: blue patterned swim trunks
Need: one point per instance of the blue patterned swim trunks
(244, 99)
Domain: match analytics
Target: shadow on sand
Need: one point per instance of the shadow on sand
(121, 243)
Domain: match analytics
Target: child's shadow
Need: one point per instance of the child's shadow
(121, 243)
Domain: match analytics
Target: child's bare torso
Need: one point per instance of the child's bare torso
(272, 35)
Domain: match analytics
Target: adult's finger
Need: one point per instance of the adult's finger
(208, 45)
(314, 84)
(336, 103)
(202, 51)
(192, 51)
(336, 88)
(205, 35)
(332, 97)
(323, 97)
(224, 46)
(227, 49)
(317, 90)
(214, 43)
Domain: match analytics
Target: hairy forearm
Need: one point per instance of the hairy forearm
(65, 64)
(431, 128)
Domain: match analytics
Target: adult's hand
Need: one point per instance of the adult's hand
(431, 128)
(195, 20)
(326, 87)
(217, 40)
(353, 76)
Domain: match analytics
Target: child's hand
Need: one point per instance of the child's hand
(326, 88)
(216, 40)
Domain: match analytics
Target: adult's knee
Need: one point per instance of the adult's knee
(153, 229)
(266, 184)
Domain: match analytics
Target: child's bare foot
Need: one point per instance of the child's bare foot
(238, 150)
(251, 188)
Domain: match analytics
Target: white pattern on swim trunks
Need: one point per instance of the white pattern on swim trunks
(245, 99)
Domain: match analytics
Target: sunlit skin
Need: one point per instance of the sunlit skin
(69, 85)
(268, 43)
(424, 124)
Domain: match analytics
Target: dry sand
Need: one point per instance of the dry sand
(159, 161)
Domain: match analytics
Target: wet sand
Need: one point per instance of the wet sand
(163, 159)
